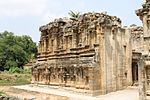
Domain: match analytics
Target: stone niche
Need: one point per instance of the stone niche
(88, 54)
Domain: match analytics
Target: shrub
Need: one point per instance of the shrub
(15, 70)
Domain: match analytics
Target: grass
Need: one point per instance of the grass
(10, 79)
(2, 93)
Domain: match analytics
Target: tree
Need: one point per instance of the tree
(74, 14)
(15, 51)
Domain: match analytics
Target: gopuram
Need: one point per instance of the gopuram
(90, 54)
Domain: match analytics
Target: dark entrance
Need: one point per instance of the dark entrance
(134, 73)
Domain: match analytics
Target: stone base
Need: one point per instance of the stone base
(72, 89)
(62, 94)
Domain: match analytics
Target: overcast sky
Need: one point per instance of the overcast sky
(23, 17)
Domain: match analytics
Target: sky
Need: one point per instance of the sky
(24, 17)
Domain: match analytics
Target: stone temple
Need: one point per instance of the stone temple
(92, 53)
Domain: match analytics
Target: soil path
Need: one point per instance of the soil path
(24, 94)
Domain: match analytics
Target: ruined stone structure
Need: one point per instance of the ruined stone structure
(144, 63)
(91, 53)
(144, 15)
(137, 48)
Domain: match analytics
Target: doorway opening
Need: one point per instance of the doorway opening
(134, 73)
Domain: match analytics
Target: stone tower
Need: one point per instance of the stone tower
(144, 14)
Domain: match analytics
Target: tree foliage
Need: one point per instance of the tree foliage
(15, 51)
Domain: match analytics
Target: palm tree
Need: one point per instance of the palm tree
(74, 14)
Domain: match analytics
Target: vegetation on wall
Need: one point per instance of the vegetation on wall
(15, 51)
(74, 14)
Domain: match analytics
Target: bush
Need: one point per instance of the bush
(19, 70)
(15, 70)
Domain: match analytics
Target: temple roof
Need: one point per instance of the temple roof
(86, 18)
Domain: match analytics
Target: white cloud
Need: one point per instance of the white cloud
(47, 10)
(59, 9)
(15, 8)
(48, 17)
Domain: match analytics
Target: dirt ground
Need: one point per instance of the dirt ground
(41, 93)
(24, 94)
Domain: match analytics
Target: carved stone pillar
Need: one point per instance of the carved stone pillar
(74, 40)
(55, 43)
(39, 47)
(102, 60)
(60, 76)
(142, 85)
(47, 81)
(33, 76)
(88, 38)
(50, 45)
(94, 36)
(61, 42)
(70, 41)
(44, 44)
(64, 42)
(91, 79)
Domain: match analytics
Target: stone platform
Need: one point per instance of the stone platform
(131, 93)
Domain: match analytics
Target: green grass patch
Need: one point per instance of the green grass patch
(14, 79)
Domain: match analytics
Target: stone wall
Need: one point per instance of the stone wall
(137, 38)
(91, 52)
(117, 59)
